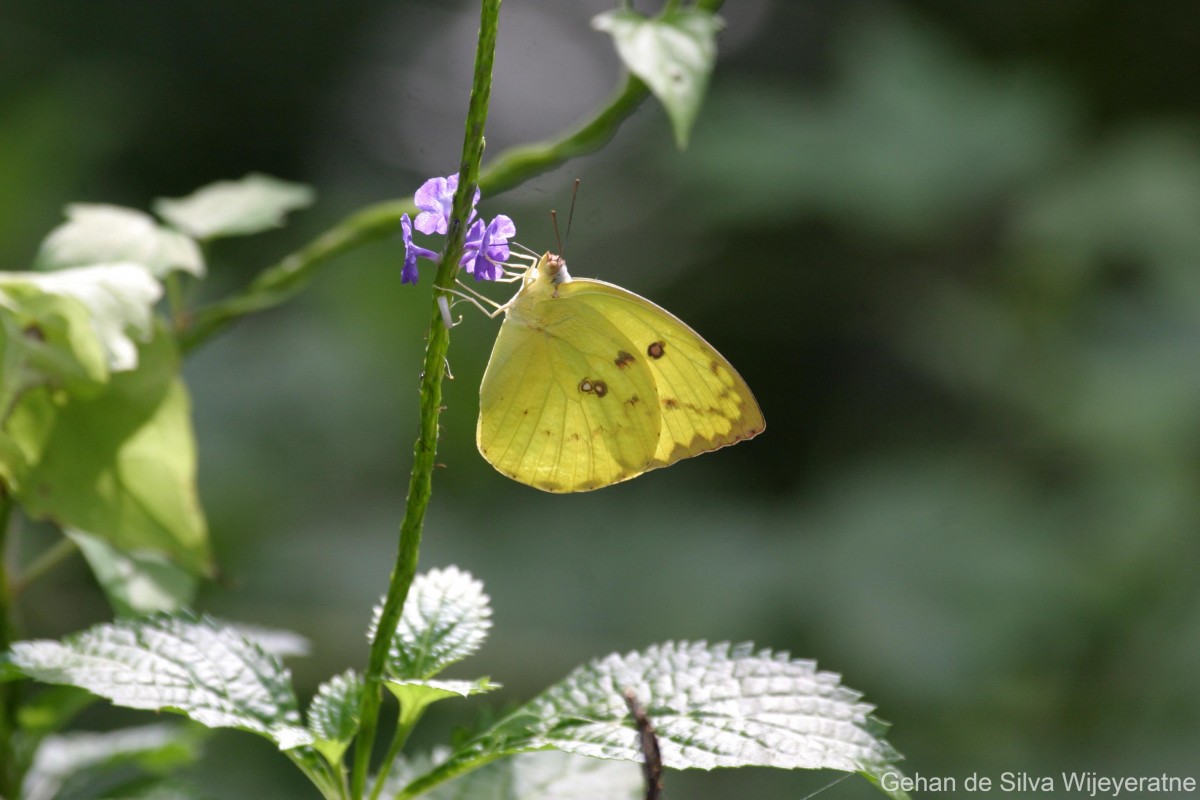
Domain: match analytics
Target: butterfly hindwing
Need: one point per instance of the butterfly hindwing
(561, 408)
(703, 402)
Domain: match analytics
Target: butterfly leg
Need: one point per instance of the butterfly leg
(491, 313)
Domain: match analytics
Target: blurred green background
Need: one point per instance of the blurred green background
(952, 246)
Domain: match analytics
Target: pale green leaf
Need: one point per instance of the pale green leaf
(235, 208)
(415, 695)
(446, 618)
(713, 706)
(333, 714)
(673, 54)
(45, 339)
(545, 775)
(135, 583)
(120, 298)
(104, 234)
(80, 758)
(121, 465)
(191, 665)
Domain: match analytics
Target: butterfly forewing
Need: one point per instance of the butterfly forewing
(562, 408)
(703, 402)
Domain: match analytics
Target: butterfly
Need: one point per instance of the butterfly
(590, 384)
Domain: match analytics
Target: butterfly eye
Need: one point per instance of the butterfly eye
(657, 349)
(600, 388)
(586, 386)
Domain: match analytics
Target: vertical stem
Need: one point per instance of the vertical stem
(420, 482)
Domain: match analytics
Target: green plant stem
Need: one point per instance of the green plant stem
(511, 168)
(420, 485)
(48, 560)
(279, 282)
(403, 728)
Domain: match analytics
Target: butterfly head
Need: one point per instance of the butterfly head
(552, 269)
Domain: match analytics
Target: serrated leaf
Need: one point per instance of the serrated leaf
(80, 757)
(135, 583)
(673, 53)
(333, 714)
(191, 665)
(104, 234)
(276, 641)
(119, 297)
(120, 465)
(713, 706)
(446, 617)
(416, 695)
(545, 775)
(235, 208)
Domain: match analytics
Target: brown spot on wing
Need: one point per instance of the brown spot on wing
(657, 349)
(600, 388)
(623, 359)
(670, 402)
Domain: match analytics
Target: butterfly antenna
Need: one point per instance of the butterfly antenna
(570, 216)
(557, 238)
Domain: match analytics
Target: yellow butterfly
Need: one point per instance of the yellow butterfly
(590, 384)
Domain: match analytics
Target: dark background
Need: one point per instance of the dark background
(952, 247)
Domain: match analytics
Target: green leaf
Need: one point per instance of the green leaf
(713, 706)
(235, 208)
(121, 465)
(195, 666)
(135, 583)
(81, 758)
(120, 298)
(446, 618)
(416, 695)
(545, 775)
(103, 234)
(333, 714)
(673, 53)
(44, 339)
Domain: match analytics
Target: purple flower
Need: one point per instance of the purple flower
(411, 252)
(486, 248)
(435, 198)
